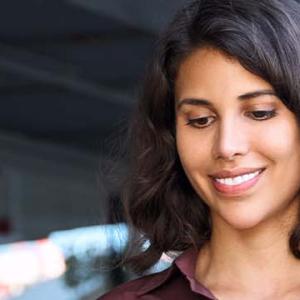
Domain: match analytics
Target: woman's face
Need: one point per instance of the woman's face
(238, 143)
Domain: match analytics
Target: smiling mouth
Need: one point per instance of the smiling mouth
(237, 184)
(236, 180)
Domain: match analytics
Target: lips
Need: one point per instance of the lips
(234, 172)
(236, 189)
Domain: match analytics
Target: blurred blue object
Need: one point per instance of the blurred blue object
(102, 239)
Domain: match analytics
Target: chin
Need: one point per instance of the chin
(244, 225)
(242, 221)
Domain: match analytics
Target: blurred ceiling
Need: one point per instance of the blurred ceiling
(69, 69)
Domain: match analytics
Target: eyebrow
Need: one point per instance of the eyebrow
(205, 102)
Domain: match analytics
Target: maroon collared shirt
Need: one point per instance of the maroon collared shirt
(176, 282)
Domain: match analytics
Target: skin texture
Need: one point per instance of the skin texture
(248, 253)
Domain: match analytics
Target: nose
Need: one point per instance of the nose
(231, 140)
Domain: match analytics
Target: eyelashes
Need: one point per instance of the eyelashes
(201, 122)
(261, 115)
(257, 115)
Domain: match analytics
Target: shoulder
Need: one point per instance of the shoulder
(134, 289)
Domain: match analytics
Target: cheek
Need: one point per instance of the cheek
(194, 153)
(280, 141)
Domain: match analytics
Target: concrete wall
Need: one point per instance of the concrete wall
(45, 188)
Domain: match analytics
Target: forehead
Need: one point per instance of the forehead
(210, 73)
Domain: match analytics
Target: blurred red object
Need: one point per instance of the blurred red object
(5, 226)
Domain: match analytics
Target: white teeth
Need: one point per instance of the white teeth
(238, 179)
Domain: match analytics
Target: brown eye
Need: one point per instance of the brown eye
(201, 122)
(261, 115)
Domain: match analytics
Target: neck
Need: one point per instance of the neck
(256, 259)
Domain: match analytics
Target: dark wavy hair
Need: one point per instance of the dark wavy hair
(159, 202)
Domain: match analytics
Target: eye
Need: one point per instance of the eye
(261, 115)
(201, 122)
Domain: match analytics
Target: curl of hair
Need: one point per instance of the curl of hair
(159, 202)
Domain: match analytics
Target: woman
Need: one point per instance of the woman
(216, 168)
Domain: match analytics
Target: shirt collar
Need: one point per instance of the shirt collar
(185, 263)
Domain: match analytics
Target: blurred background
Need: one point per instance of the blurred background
(69, 74)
